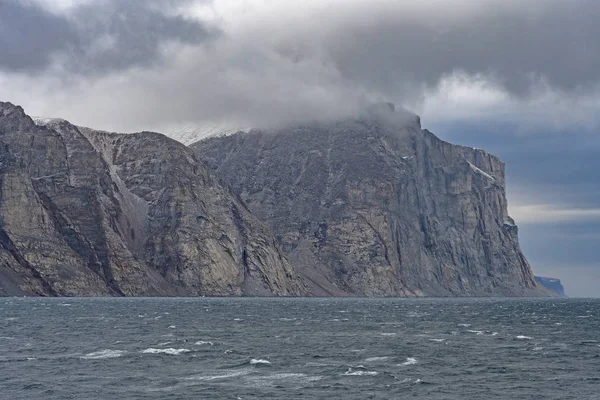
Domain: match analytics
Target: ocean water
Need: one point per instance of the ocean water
(282, 348)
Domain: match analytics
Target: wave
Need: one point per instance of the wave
(202, 342)
(419, 381)
(410, 361)
(255, 361)
(224, 375)
(361, 372)
(169, 351)
(523, 337)
(286, 375)
(478, 333)
(103, 354)
(371, 359)
(437, 340)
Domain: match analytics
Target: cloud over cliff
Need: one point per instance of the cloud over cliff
(151, 63)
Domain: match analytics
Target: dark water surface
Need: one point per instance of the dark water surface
(299, 349)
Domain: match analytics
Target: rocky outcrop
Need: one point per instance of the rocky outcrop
(92, 213)
(379, 206)
(553, 284)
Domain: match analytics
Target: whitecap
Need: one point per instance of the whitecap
(351, 372)
(31, 358)
(169, 351)
(388, 334)
(410, 361)
(172, 327)
(202, 342)
(103, 354)
(478, 333)
(238, 319)
(494, 333)
(465, 325)
(538, 348)
(255, 361)
(371, 359)
(437, 340)
(523, 337)
(225, 375)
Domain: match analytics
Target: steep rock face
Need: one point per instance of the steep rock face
(70, 225)
(378, 206)
(188, 225)
(553, 284)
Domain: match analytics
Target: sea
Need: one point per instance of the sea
(299, 348)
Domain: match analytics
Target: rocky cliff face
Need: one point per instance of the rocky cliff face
(553, 284)
(92, 213)
(378, 206)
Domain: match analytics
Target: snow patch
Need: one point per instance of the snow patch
(480, 172)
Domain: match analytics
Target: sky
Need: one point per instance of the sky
(519, 79)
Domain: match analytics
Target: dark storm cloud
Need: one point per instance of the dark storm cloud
(29, 35)
(557, 44)
(397, 47)
(91, 38)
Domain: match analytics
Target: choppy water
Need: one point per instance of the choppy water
(299, 348)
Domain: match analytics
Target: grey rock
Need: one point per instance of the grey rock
(378, 206)
(90, 213)
(553, 284)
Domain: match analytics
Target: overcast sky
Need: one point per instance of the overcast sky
(518, 78)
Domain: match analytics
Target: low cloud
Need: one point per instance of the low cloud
(130, 65)
(548, 213)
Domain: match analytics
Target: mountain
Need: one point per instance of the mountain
(378, 206)
(86, 213)
(552, 284)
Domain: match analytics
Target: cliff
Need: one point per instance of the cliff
(552, 284)
(85, 213)
(378, 206)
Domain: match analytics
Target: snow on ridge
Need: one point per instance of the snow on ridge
(43, 121)
(192, 133)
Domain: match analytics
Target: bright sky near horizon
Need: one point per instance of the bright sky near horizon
(519, 79)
